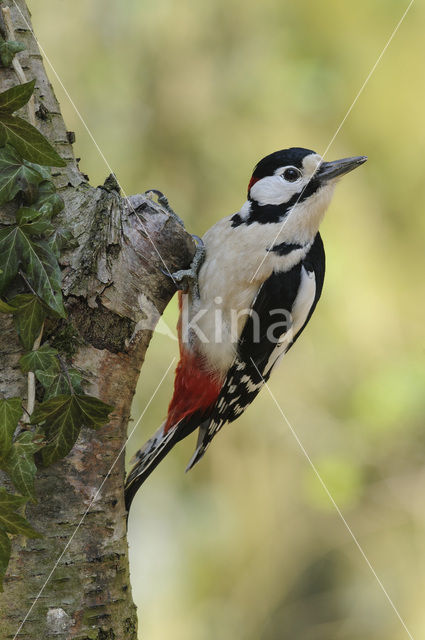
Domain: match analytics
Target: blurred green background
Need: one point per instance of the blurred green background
(185, 97)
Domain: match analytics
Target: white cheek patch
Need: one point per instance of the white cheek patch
(274, 190)
(310, 164)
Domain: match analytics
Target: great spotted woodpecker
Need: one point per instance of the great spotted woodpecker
(259, 282)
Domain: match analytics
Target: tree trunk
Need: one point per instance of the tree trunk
(114, 292)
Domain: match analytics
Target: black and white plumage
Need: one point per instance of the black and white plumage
(258, 286)
(298, 291)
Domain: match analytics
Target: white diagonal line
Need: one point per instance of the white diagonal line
(359, 93)
(267, 386)
(93, 139)
(370, 74)
(92, 501)
(331, 498)
(171, 363)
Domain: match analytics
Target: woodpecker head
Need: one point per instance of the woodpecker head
(295, 184)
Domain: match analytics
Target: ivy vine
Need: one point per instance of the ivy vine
(30, 291)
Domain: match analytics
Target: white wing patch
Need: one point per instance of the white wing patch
(304, 300)
(300, 310)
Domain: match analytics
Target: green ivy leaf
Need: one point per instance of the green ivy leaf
(43, 171)
(63, 417)
(47, 378)
(30, 143)
(11, 501)
(16, 175)
(27, 214)
(37, 227)
(43, 358)
(16, 97)
(29, 315)
(34, 222)
(60, 239)
(5, 549)
(57, 383)
(10, 413)
(19, 463)
(39, 263)
(48, 200)
(42, 270)
(8, 50)
(10, 520)
(95, 413)
(9, 255)
(6, 308)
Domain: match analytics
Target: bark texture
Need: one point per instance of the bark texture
(114, 293)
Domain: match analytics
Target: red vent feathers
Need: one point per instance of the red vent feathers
(195, 390)
(252, 182)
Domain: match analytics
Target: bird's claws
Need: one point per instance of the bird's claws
(199, 241)
(163, 201)
(179, 278)
(187, 279)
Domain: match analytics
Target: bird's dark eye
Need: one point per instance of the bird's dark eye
(291, 174)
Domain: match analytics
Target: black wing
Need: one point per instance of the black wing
(258, 351)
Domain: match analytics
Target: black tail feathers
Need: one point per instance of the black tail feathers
(155, 450)
(147, 459)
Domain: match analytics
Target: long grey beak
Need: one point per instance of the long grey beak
(329, 170)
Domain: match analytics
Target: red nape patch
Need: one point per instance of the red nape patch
(194, 390)
(252, 182)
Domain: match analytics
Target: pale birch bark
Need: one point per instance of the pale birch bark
(111, 282)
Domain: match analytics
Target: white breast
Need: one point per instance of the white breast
(233, 256)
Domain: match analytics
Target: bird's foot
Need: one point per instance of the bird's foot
(187, 279)
(163, 201)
